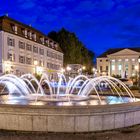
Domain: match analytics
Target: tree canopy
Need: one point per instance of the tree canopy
(74, 50)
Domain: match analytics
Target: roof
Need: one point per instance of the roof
(28, 27)
(111, 51)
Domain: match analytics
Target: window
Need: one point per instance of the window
(34, 36)
(21, 59)
(41, 63)
(106, 60)
(126, 60)
(29, 34)
(11, 57)
(10, 41)
(126, 67)
(100, 60)
(28, 47)
(59, 57)
(41, 51)
(120, 67)
(53, 66)
(21, 45)
(106, 68)
(133, 67)
(35, 49)
(14, 28)
(48, 53)
(42, 40)
(113, 67)
(101, 68)
(28, 60)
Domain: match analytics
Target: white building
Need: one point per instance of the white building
(122, 62)
(24, 49)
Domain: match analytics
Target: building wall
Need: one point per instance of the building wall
(122, 63)
(1, 38)
(102, 66)
(16, 67)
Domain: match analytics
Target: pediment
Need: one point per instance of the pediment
(125, 52)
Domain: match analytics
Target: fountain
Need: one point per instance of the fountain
(79, 104)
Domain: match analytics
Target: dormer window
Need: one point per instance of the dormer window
(55, 46)
(24, 32)
(47, 41)
(42, 40)
(34, 36)
(29, 34)
(51, 44)
(14, 28)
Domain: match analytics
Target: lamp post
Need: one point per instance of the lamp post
(139, 74)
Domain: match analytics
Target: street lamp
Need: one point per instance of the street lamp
(84, 67)
(139, 73)
(68, 68)
(94, 70)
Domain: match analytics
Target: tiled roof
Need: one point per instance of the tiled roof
(5, 26)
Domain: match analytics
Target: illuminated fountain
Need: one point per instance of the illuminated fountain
(77, 105)
(75, 89)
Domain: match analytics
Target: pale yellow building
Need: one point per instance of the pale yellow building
(120, 61)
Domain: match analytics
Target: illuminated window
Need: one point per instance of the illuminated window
(113, 67)
(126, 59)
(120, 67)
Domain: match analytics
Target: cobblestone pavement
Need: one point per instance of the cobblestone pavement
(132, 133)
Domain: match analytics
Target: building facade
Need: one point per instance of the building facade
(122, 62)
(24, 49)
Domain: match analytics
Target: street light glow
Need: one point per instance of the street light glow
(62, 70)
(68, 68)
(84, 67)
(136, 67)
(35, 62)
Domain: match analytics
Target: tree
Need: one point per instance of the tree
(74, 50)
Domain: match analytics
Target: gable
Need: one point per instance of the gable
(125, 52)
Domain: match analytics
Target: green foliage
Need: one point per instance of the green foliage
(74, 50)
(38, 76)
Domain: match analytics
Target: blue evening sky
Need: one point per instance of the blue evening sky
(99, 24)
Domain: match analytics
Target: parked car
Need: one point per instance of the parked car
(127, 82)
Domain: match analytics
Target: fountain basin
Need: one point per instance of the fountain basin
(69, 118)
